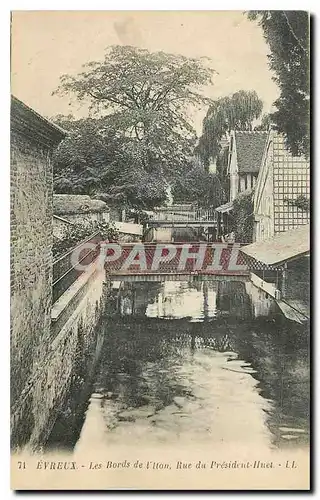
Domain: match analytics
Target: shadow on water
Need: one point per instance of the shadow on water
(191, 361)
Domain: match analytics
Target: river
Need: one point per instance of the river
(200, 362)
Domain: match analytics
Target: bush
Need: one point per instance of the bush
(80, 232)
(301, 202)
(242, 218)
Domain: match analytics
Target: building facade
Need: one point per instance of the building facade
(244, 159)
(283, 180)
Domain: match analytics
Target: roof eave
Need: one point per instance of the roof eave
(29, 123)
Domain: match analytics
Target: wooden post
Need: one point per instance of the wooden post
(205, 300)
(284, 280)
(133, 303)
(218, 226)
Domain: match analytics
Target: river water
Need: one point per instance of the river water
(200, 362)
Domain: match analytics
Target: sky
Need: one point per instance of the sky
(48, 44)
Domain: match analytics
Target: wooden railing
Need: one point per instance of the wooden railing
(64, 271)
(198, 215)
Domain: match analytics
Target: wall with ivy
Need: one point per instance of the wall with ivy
(242, 218)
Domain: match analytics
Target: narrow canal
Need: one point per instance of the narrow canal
(204, 362)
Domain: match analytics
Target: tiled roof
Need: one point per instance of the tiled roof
(250, 148)
(31, 124)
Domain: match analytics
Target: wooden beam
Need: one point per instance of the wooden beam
(269, 288)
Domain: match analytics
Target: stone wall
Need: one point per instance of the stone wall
(50, 345)
(32, 141)
(161, 234)
(31, 270)
(73, 350)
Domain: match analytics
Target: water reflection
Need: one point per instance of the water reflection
(164, 389)
(261, 303)
(211, 371)
(177, 300)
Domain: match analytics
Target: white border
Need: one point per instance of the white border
(311, 6)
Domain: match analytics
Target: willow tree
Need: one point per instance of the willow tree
(146, 98)
(235, 112)
(265, 123)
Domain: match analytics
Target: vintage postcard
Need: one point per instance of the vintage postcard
(160, 208)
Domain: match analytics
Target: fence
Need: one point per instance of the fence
(196, 215)
(64, 272)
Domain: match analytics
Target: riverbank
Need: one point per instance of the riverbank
(204, 377)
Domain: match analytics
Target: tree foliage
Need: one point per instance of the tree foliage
(287, 33)
(235, 112)
(198, 185)
(134, 80)
(265, 123)
(139, 138)
(242, 218)
(301, 202)
(99, 161)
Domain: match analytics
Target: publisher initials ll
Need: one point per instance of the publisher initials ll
(291, 464)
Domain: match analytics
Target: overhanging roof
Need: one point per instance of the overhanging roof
(28, 122)
(282, 247)
(227, 207)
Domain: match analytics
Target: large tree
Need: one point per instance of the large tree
(287, 33)
(145, 100)
(235, 112)
(94, 159)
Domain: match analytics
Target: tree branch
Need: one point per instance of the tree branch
(293, 33)
(109, 98)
